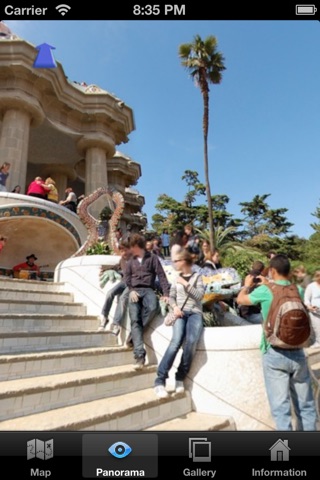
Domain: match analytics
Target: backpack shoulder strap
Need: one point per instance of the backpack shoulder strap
(278, 297)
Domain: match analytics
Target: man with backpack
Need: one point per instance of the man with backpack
(286, 331)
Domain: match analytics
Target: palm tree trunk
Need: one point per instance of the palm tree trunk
(206, 166)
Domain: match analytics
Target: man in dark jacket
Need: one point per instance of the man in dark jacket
(140, 276)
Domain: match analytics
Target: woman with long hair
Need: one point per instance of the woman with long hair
(186, 289)
(178, 243)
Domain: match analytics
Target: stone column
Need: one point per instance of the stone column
(14, 146)
(19, 112)
(96, 148)
(61, 184)
(96, 169)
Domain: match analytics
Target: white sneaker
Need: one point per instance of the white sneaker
(161, 392)
(179, 386)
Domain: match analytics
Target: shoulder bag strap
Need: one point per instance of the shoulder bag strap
(188, 294)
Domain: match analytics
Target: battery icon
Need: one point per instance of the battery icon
(305, 9)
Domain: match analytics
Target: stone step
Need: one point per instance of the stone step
(48, 363)
(315, 368)
(39, 306)
(58, 373)
(135, 411)
(23, 342)
(10, 294)
(45, 322)
(37, 394)
(30, 285)
(195, 421)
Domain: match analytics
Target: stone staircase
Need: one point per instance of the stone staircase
(57, 373)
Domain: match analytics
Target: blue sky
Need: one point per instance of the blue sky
(264, 132)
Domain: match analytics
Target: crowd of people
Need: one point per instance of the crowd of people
(44, 189)
(166, 246)
(144, 287)
(47, 190)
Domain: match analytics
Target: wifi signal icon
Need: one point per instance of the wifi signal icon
(63, 9)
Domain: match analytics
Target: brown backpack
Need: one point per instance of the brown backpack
(288, 323)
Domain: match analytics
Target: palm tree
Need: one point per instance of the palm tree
(223, 240)
(205, 65)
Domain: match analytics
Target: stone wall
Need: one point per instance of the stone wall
(226, 377)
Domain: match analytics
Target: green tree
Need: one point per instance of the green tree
(178, 212)
(316, 225)
(205, 65)
(292, 246)
(311, 256)
(173, 214)
(311, 251)
(195, 188)
(223, 218)
(260, 219)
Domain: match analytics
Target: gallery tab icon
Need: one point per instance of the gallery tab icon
(199, 449)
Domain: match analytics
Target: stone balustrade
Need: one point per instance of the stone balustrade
(226, 377)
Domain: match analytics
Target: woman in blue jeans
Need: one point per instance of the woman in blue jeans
(188, 326)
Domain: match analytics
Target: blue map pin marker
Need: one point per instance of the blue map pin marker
(45, 58)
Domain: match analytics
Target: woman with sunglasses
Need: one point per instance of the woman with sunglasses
(188, 289)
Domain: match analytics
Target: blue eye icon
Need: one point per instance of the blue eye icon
(120, 450)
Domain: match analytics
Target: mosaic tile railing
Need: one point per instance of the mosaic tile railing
(24, 211)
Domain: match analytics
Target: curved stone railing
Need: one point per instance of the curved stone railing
(33, 225)
(81, 274)
(226, 377)
(11, 202)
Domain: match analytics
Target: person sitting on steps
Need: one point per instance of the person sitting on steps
(120, 291)
(188, 290)
(141, 273)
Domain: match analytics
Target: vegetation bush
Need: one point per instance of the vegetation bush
(100, 248)
(242, 260)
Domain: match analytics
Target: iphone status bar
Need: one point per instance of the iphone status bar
(135, 10)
